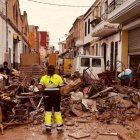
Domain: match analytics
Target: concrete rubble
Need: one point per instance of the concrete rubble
(86, 99)
(110, 105)
(18, 103)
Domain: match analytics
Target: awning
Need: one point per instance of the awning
(17, 36)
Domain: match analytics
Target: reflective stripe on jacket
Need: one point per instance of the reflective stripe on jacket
(51, 81)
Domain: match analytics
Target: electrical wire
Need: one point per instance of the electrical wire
(54, 4)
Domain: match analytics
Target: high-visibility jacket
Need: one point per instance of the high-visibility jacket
(53, 81)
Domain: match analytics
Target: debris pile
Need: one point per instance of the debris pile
(115, 109)
(115, 104)
(18, 103)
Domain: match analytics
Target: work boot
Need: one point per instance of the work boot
(60, 131)
(48, 131)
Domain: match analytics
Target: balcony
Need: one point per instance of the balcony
(104, 29)
(120, 11)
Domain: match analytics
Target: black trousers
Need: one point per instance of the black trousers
(52, 99)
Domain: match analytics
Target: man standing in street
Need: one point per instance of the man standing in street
(50, 85)
(6, 71)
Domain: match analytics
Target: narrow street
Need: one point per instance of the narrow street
(74, 63)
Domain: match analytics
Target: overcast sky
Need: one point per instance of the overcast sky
(57, 20)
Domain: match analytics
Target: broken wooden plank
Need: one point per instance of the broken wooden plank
(1, 127)
(112, 134)
(32, 102)
(71, 86)
(100, 93)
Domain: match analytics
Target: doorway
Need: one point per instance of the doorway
(104, 51)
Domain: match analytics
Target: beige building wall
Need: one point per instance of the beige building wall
(43, 53)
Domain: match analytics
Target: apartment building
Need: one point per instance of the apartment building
(62, 47)
(25, 33)
(127, 14)
(106, 36)
(13, 31)
(18, 32)
(87, 31)
(34, 38)
(78, 35)
(43, 45)
(70, 44)
(2, 30)
(75, 38)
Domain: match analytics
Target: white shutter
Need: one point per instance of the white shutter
(134, 41)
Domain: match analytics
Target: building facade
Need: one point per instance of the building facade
(87, 31)
(62, 47)
(2, 31)
(127, 14)
(78, 35)
(13, 31)
(34, 38)
(106, 37)
(43, 45)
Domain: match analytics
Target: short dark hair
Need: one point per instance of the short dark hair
(5, 63)
(51, 70)
(51, 67)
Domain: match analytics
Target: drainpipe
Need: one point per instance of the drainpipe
(6, 28)
(7, 56)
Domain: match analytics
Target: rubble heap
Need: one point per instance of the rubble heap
(115, 104)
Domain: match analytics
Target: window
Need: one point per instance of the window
(15, 13)
(96, 49)
(106, 6)
(88, 26)
(96, 62)
(85, 28)
(85, 62)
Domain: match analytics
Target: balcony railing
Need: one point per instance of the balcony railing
(104, 28)
(114, 4)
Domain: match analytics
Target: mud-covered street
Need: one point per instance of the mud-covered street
(75, 128)
(71, 68)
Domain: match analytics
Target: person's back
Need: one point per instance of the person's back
(5, 69)
(126, 77)
(52, 98)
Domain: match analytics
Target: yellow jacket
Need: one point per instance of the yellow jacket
(51, 81)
